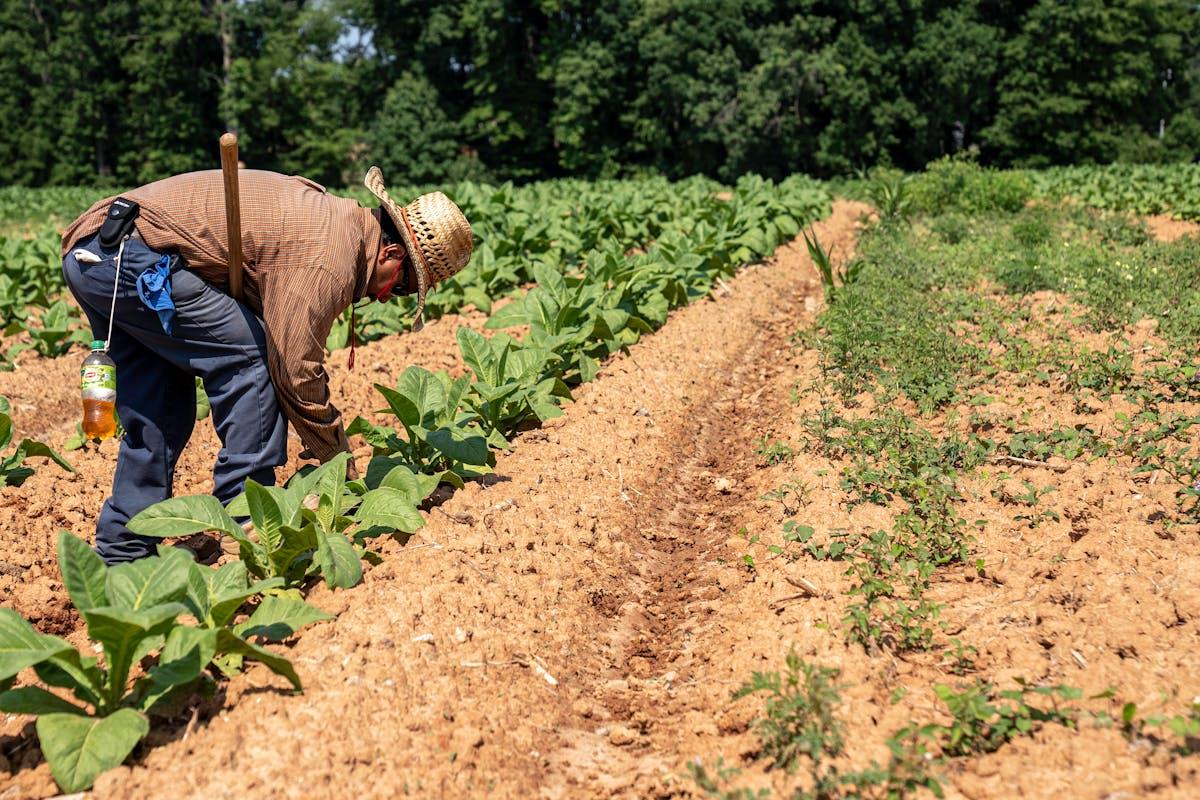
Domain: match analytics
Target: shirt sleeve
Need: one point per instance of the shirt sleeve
(299, 310)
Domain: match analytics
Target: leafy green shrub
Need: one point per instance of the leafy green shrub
(1031, 231)
(57, 330)
(960, 184)
(982, 723)
(1026, 273)
(800, 726)
(800, 707)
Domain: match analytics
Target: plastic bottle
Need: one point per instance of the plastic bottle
(98, 388)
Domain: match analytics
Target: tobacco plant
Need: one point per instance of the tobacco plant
(440, 438)
(132, 611)
(295, 532)
(510, 383)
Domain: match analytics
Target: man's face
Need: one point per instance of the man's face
(389, 269)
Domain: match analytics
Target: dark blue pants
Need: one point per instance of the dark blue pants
(214, 337)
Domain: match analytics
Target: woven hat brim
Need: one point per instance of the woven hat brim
(374, 183)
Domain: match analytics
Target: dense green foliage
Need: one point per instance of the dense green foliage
(519, 231)
(128, 91)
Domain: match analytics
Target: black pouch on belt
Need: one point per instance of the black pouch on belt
(118, 223)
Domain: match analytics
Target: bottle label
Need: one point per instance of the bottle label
(98, 376)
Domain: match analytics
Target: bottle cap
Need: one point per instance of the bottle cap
(98, 344)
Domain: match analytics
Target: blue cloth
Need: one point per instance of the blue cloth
(154, 288)
(214, 337)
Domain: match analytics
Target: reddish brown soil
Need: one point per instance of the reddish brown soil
(575, 628)
(1167, 229)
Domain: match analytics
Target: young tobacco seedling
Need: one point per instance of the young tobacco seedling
(132, 611)
(298, 531)
(56, 334)
(13, 471)
(510, 383)
(439, 437)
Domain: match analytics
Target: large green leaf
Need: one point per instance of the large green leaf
(21, 646)
(477, 354)
(149, 581)
(33, 448)
(340, 565)
(425, 391)
(72, 670)
(184, 656)
(265, 513)
(469, 448)
(83, 572)
(455, 392)
(79, 748)
(415, 486)
(377, 436)
(277, 618)
(6, 428)
(35, 700)
(390, 508)
(405, 409)
(510, 316)
(215, 595)
(180, 516)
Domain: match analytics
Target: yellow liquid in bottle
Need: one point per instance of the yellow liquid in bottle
(99, 419)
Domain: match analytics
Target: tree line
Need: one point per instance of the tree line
(127, 91)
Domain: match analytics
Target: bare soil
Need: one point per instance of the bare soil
(1166, 229)
(575, 627)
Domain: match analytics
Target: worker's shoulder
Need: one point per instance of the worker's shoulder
(254, 179)
(279, 180)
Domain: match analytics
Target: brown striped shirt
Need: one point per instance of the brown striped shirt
(308, 255)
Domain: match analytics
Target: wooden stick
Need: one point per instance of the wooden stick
(1028, 462)
(233, 212)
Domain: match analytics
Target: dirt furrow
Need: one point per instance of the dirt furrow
(545, 633)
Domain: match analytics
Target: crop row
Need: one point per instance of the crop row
(552, 224)
(319, 525)
(1136, 188)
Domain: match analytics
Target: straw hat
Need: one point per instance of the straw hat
(435, 233)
